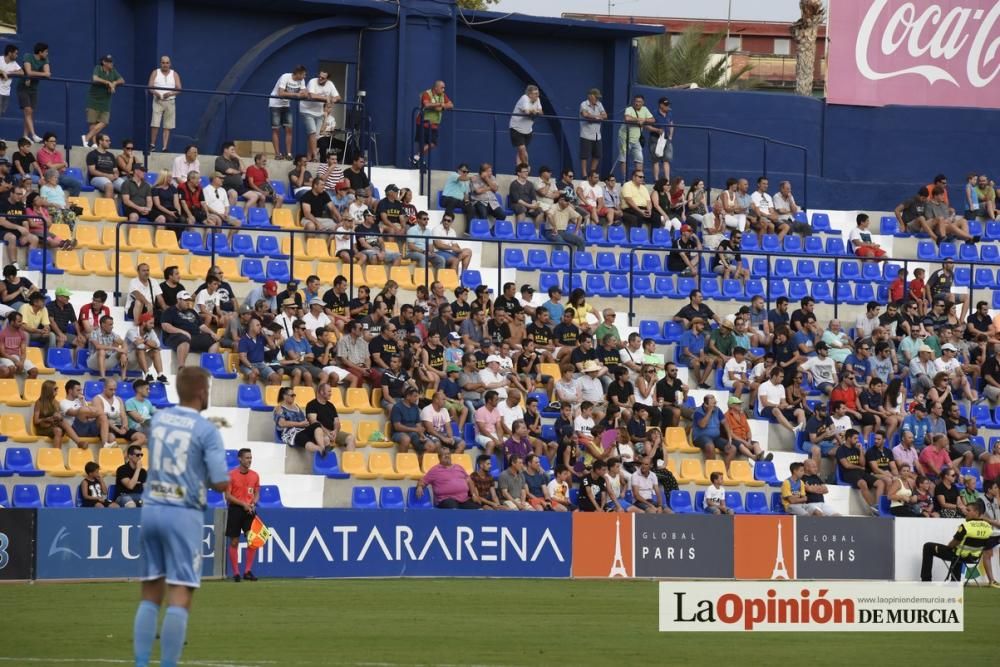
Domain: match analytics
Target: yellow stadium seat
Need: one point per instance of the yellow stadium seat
(69, 261)
(78, 458)
(675, 440)
(464, 461)
(302, 269)
(108, 237)
(429, 461)
(282, 217)
(337, 398)
(303, 395)
(155, 264)
(11, 394)
(403, 277)
(365, 430)
(126, 265)
(83, 203)
(327, 271)
(691, 472)
(742, 473)
(51, 461)
(198, 267)
(672, 467)
(111, 458)
(718, 465)
(550, 369)
(95, 262)
(271, 395)
(358, 400)
(408, 465)
(106, 209)
(318, 249)
(231, 269)
(375, 276)
(353, 463)
(448, 278)
(166, 241)
(61, 230)
(89, 236)
(380, 463)
(33, 386)
(300, 249)
(141, 238)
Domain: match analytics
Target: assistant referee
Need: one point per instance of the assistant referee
(242, 496)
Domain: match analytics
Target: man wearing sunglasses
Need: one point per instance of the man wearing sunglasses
(130, 478)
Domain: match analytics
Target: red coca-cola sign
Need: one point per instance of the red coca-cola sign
(916, 52)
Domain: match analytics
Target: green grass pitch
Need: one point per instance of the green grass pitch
(440, 622)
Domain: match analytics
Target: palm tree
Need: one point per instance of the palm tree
(476, 4)
(804, 31)
(689, 58)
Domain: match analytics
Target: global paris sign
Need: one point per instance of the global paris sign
(914, 52)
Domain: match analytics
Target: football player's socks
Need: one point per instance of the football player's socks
(172, 635)
(144, 631)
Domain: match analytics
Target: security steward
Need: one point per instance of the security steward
(969, 541)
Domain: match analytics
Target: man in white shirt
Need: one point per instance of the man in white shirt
(522, 122)
(184, 164)
(734, 373)
(315, 319)
(144, 348)
(290, 85)
(771, 402)
(591, 388)
(591, 194)
(784, 202)
(822, 368)
(216, 200)
(164, 85)
(437, 423)
(455, 256)
(646, 490)
(8, 68)
(510, 411)
(762, 209)
(144, 294)
(492, 378)
(320, 91)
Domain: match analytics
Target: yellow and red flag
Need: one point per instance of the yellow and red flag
(259, 534)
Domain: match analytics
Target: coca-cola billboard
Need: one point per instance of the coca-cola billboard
(916, 52)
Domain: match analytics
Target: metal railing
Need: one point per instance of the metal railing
(561, 135)
(634, 265)
(142, 95)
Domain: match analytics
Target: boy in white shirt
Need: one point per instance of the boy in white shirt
(715, 496)
(558, 488)
(734, 373)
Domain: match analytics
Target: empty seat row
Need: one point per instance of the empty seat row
(355, 400)
(756, 502)
(389, 498)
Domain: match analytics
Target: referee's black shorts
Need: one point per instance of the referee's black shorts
(238, 521)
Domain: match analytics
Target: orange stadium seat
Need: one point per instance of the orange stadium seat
(718, 465)
(89, 236)
(380, 463)
(691, 472)
(166, 241)
(429, 461)
(106, 209)
(83, 203)
(365, 430)
(78, 458)
(408, 465)
(742, 473)
(50, 461)
(353, 463)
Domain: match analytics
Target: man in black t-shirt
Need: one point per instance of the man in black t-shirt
(694, 308)
(594, 490)
(102, 172)
(382, 347)
(171, 286)
(912, 215)
(390, 213)
(321, 410)
(24, 163)
(15, 232)
(184, 331)
(356, 176)
(583, 352)
(666, 393)
(806, 310)
(507, 301)
(318, 211)
(815, 488)
(540, 331)
(130, 479)
(851, 462)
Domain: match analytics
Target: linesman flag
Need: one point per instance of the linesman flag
(258, 534)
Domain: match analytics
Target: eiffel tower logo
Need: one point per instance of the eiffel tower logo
(779, 571)
(618, 566)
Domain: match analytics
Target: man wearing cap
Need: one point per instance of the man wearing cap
(217, 201)
(266, 292)
(949, 363)
(185, 331)
(137, 197)
(104, 80)
(526, 299)
(62, 318)
(739, 430)
(390, 213)
(144, 348)
(315, 318)
(286, 318)
(236, 327)
(923, 369)
(591, 113)
(663, 126)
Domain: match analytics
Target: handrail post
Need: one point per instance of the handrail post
(291, 254)
(45, 253)
(493, 134)
(68, 134)
(499, 264)
(118, 250)
(836, 283)
(631, 292)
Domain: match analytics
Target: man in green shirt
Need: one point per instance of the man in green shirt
(36, 67)
(607, 327)
(637, 117)
(722, 342)
(104, 80)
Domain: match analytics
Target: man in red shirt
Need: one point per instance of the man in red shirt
(91, 313)
(257, 180)
(242, 496)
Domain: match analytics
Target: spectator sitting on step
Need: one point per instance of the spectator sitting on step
(455, 194)
(137, 198)
(185, 332)
(101, 168)
(860, 240)
(93, 490)
(232, 177)
(257, 182)
(483, 196)
(943, 219)
(107, 349)
(771, 402)
(317, 210)
(144, 348)
(692, 353)
(912, 215)
(50, 157)
(521, 198)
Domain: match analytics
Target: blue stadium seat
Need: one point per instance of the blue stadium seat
(776, 506)
(710, 288)
(61, 359)
(750, 242)
(216, 365)
(992, 231)
(889, 271)
(513, 258)
(583, 261)
(617, 235)
(124, 390)
(777, 289)
(559, 260)
(422, 503)
(538, 259)
(651, 329)
(820, 290)
(390, 498)
(253, 269)
(192, 242)
(927, 250)
(363, 498)
(270, 497)
(863, 293)
(158, 395)
(975, 227)
(756, 503)
(734, 501)
(672, 331)
(843, 293)
(963, 276)
(664, 285)
(650, 263)
(835, 246)
(661, 237)
(547, 280)
(250, 396)
(984, 278)
(215, 499)
(627, 263)
(328, 466)
(770, 243)
(606, 261)
(806, 269)
(814, 246)
(889, 225)
(503, 229)
(243, 245)
(948, 250)
(268, 246)
(471, 279)
(685, 286)
(699, 501)
(479, 228)
(638, 236)
(279, 188)
(18, 460)
(232, 458)
(570, 283)
(278, 270)
(990, 253)
(758, 267)
(595, 285)
(77, 173)
(826, 270)
(968, 252)
(755, 288)
(92, 388)
(732, 289)
(258, 217)
(526, 231)
(850, 271)
(680, 502)
(821, 222)
(59, 496)
(35, 261)
(237, 212)
(783, 268)
(26, 496)
(983, 415)
(792, 243)
(593, 234)
(764, 471)
(871, 272)
(4, 498)
(974, 472)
